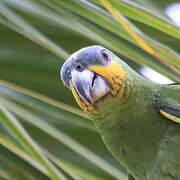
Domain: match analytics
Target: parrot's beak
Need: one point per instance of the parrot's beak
(89, 86)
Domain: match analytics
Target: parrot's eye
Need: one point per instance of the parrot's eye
(105, 55)
(79, 67)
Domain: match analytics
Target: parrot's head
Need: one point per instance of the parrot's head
(93, 74)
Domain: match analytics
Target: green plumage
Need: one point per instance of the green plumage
(144, 141)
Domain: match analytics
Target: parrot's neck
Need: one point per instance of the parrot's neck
(133, 99)
(130, 127)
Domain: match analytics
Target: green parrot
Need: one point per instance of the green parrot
(137, 119)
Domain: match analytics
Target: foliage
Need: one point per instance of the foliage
(43, 133)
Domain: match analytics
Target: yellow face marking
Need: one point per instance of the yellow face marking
(169, 116)
(113, 73)
(85, 106)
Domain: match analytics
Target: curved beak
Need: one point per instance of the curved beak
(82, 82)
(89, 86)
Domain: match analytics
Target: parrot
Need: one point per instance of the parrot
(138, 119)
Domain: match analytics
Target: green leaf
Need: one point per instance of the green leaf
(12, 166)
(45, 104)
(61, 137)
(43, 135)
(25, 140)
(145, 16)
(103, 19)
(27, 30)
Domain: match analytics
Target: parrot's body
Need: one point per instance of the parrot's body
(137, 119)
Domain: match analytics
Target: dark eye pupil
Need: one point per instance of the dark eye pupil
(79, 67)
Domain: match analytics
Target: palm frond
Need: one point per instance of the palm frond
(43, 133)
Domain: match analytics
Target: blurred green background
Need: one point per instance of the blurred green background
(35, 39)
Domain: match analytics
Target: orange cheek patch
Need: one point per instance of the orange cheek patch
(113, 73)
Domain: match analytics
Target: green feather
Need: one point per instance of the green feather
(138, 126)
(171, 102)
(144, 141)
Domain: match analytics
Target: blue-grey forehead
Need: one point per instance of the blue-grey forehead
(87, 55)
